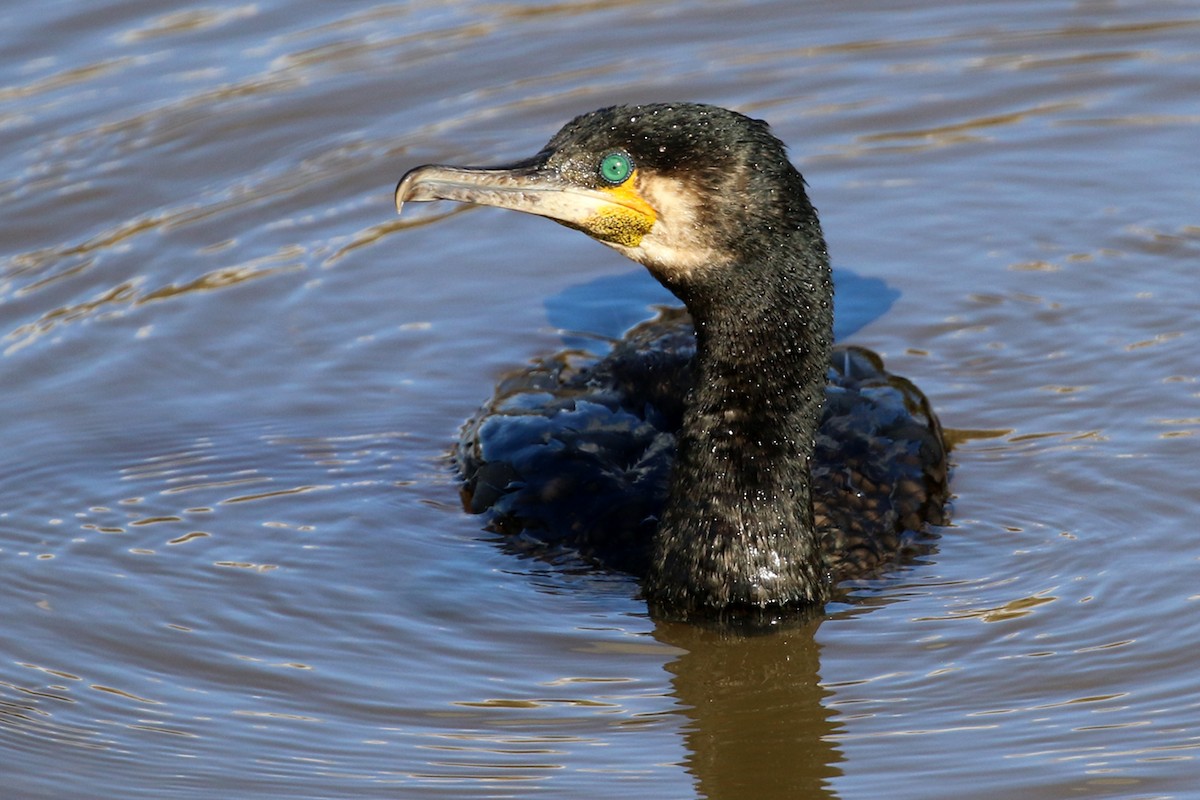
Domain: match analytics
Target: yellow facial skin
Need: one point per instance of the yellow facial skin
(626, 220)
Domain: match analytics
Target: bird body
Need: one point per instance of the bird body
(720, 454)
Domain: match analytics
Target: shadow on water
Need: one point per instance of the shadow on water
(606, 307)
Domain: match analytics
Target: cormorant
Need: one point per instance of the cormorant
(747, 465)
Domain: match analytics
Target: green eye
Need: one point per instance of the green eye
(615, 168)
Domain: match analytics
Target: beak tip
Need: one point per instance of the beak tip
(400, 196)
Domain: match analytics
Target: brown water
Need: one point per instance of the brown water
(234, 561)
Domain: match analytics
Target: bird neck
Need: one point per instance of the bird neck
(738, 527)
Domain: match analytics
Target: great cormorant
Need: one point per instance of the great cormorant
(749, 464)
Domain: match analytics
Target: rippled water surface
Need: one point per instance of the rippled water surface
(235, 564)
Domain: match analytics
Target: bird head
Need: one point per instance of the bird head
(681, 188)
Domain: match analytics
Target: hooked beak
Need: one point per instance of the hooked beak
(614, 215)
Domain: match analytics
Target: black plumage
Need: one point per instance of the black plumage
(729, 456)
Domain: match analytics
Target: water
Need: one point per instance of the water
(235, 565)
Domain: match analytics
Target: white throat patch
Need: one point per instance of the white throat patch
(678, 244)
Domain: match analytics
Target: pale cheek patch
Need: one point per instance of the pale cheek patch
(678, 244)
